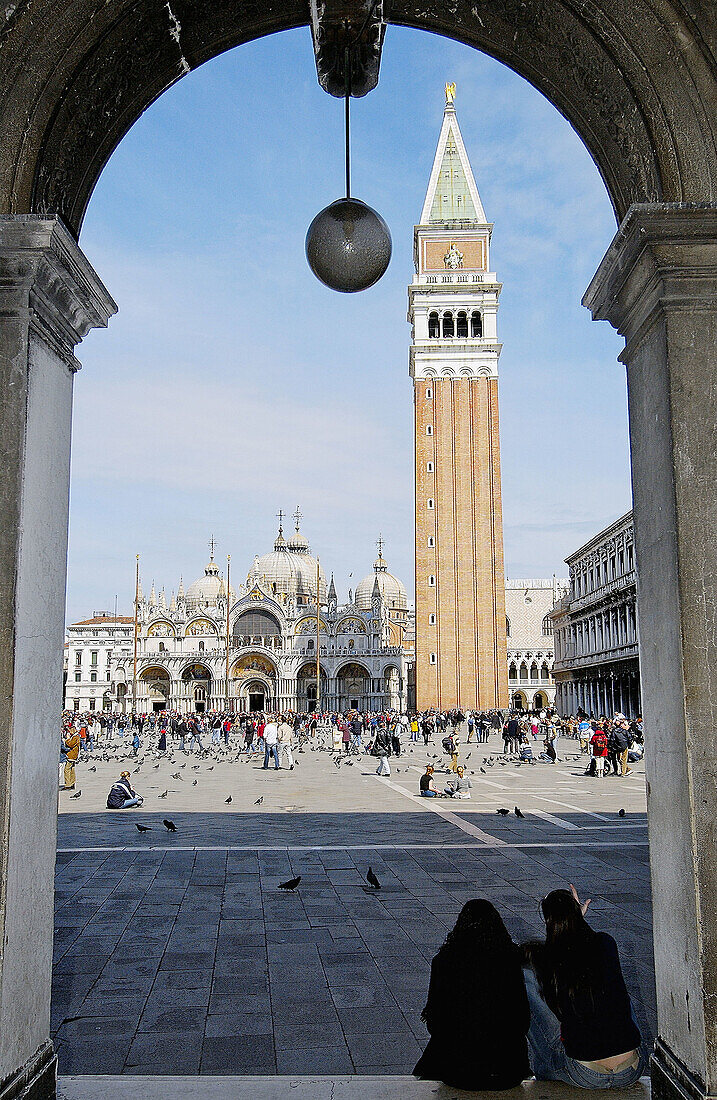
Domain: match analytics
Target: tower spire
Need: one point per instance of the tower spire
(452, 195)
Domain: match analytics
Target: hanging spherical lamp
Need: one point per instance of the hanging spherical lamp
(348, 245)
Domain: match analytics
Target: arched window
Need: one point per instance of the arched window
(524, 671)
(201, 647)
(462, 324)
(162, 647)
(310, 645)
(254, 624)
(547, 626)
(533, 671)
(476, 323)
(432, 581)
(433, 326)
(448, 327)
(430, 502)
(544, 673)
(507, 627)
(512, 672)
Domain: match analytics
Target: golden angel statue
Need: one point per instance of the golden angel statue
(450, 93)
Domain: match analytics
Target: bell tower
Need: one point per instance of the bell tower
(453, 307)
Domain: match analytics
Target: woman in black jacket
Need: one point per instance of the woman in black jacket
(477, 1010)
(582, 1030)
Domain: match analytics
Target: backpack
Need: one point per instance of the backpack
(447, 743)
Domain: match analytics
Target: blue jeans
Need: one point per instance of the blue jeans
(269, 751)
(428, 794)
(548, 1059)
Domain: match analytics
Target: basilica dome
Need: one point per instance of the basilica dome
(393, 592)
(290, 570)
(205, 591)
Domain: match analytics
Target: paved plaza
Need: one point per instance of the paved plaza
(177, 954)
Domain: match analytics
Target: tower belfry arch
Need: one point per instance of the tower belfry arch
(638, 82)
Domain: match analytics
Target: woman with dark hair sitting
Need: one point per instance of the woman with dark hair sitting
(582, 1029)
(477, 1010)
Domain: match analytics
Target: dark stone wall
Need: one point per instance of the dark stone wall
(636, 79)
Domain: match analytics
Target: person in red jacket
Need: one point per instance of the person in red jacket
(599, 745)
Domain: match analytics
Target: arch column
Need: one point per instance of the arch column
(49, 299)
(657, 285)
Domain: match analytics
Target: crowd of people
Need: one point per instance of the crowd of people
(528, 738)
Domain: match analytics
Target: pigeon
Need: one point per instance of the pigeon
(502, 812)
(183, 765)
(169, 825)
(211, 769)
(92, 769)
(76, 795)
(518, 813)
(195, 782)
(290, 884)
(163, 795)
(620, 813)
(142, 828)
(156, 766)
(176, 775)
(483, 770)
(227, 800)
(259, 801)
(372, 880)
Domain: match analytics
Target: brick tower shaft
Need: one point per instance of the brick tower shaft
(453, 304)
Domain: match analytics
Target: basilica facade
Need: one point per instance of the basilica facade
(256, 648)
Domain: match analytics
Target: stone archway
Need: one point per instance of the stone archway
(638, 83)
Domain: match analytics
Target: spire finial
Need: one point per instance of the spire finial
(379, 544)
(212, 544)
(280, 517)
(298, 517)
(450, 94)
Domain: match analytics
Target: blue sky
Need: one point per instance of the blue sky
(232, 383)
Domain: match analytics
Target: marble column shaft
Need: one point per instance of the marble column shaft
(49, 298)
(658, 286)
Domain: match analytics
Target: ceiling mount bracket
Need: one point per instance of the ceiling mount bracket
(348, 32)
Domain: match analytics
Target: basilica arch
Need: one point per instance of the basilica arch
(638, 83)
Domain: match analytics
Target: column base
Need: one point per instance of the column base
(671, 1080)
(36, 1080)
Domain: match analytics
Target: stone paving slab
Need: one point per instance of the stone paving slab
(177, 953)
(309, 1088)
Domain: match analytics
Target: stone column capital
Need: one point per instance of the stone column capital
(662, 258)
(46, 278)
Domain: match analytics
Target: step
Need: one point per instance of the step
(129, 1087)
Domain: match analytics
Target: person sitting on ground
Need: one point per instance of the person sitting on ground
(526, 752)
(582, 1029)
(477, 1010)
(426, 785)
(122, 795)
(460, 787)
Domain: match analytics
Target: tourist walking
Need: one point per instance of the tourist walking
(285, 738)
(271, 736)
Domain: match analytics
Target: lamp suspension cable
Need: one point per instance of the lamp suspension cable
(347, 116)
